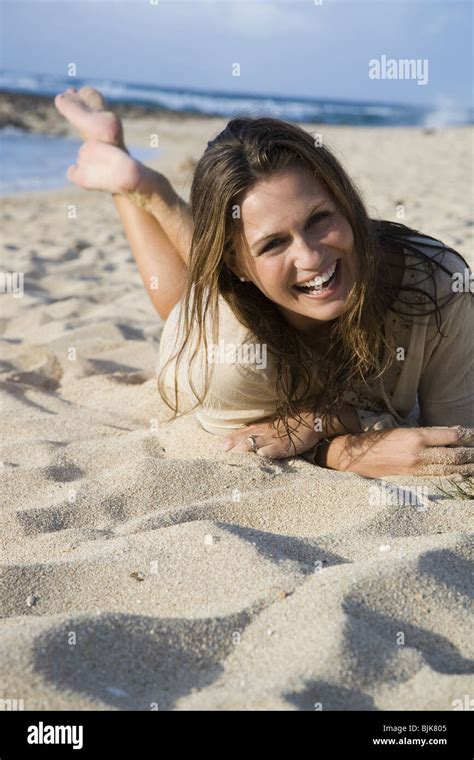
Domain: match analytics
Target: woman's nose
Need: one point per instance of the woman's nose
(307, 255)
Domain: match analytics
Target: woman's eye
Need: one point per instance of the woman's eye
(318, 217)
(314, 220)
(272, 244)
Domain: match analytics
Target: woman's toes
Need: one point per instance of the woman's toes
(83, 110)
(71, 173)
(92, 98)
(67, 103)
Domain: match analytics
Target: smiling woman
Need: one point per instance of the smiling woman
(364, 335)
(360, 318)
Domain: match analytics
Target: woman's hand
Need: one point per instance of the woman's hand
(268, 442)
(402, 451)
(305, 434)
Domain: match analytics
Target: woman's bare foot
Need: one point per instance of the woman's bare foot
(86, 110)
(100, 166)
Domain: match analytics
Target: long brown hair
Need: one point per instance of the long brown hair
(247, 151)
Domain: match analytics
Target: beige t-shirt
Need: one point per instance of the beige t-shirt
(432, 385)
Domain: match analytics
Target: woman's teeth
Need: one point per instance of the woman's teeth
(318, 282)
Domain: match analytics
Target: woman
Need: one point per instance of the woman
(363, 333)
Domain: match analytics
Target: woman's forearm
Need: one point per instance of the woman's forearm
(156, 195)
(333, 454)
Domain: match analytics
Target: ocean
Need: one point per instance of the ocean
(30, 162)
(33, 162)
(229, 104)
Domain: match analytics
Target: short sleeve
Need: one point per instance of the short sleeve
(236, 391)
(446, 389)
(238, 395)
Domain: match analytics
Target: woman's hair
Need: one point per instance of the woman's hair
(246, 152)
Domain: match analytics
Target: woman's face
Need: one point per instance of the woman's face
(295, 233)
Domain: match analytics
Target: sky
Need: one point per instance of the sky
(294, 48)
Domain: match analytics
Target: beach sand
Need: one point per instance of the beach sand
(143, 568)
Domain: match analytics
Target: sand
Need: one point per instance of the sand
(142, 567)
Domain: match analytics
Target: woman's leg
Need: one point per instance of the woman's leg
(102, 164)
(161, 268)
(154, 193)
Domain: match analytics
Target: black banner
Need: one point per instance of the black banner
(375, 734)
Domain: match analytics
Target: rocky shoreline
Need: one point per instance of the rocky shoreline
(37, 113)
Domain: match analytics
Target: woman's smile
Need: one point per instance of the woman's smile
(323, 285)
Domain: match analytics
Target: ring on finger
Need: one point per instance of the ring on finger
(253, 441)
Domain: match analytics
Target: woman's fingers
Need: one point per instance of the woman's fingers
(267, 446)
(238, 441)
(241, 446)
(443, 469)
(239, 436)
(438, 459)
(275, 450)
(265, 437)
(442, 455)
(447, 436)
